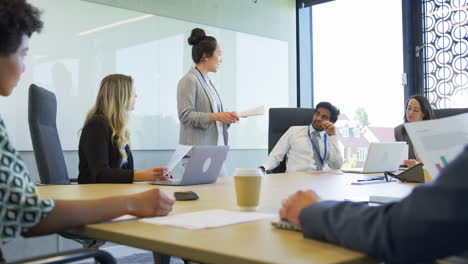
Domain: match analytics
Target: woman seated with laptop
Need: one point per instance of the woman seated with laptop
(418, 108)
(104, 152)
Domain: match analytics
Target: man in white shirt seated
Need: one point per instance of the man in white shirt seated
(313, 147)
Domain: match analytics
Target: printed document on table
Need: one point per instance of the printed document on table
(208, 219)
(439, 141)
(124, 218)
(179, 153)
(259, 110)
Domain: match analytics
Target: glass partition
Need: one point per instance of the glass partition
(82, 42)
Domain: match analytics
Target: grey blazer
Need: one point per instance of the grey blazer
(194, 107)
(401, 135)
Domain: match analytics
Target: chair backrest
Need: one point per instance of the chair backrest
(280, 120)
(440, 113)
(42, 115)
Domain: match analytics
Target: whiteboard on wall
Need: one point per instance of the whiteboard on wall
(74, 52)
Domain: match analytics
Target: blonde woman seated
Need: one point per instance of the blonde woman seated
(418, 108)
(104, 152)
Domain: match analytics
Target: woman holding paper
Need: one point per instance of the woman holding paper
(201, 114)
(418, 108)
(104, 152)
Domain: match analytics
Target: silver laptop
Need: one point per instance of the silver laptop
(381, 157)
(203, 166)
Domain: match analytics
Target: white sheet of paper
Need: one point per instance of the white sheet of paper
(179, 153)
(208, 219)
(439, 141)
(259, 110)
(123, 218)
(383, 199)
(405, 154)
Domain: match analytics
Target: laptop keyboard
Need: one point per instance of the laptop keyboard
(173, 182)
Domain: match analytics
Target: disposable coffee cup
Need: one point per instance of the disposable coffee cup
(247, 183)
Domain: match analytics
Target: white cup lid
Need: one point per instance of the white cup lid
(248, 172)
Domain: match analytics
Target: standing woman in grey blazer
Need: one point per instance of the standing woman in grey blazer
(418, 108)
(201, 113)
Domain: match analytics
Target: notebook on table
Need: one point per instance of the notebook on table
(282, 224)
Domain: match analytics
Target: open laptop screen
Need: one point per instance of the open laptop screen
(382, 156)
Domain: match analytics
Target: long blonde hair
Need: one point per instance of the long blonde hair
(113, 102)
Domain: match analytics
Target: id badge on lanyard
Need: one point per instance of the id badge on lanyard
(316, 149)
(208, 84)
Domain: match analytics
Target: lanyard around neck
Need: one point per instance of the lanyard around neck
(203, 77)
(322, 160)
(201, 74)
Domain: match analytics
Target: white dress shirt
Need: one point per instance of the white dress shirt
(295, 143)
(216, 106)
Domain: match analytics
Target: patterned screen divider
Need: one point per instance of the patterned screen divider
(445, 52)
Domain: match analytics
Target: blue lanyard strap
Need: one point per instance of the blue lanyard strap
(203, 77)
(322, 160)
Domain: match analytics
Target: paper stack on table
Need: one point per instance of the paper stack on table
(259, 110)
(208, 219)
(123, 218)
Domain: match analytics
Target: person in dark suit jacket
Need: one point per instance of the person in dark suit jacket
(417, 108)
(428, 224)
(104, 153)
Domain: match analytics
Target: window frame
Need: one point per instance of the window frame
(412, 30)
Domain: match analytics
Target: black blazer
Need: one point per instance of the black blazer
(99, 157)
(430, 223)
(401, 135)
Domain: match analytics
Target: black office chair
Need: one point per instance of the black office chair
(42, 115)
(48, 150)
(440, 113)
(280, 120)
(99, 256)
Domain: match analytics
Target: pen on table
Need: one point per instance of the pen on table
(372, 179)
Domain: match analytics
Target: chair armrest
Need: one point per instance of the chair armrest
(72, 255)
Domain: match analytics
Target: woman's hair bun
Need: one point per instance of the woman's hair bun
(197, 35)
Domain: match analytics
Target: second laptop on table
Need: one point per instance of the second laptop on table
(381, 157)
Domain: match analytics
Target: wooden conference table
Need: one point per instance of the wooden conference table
(255, 242)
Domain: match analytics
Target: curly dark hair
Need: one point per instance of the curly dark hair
(17, 18)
